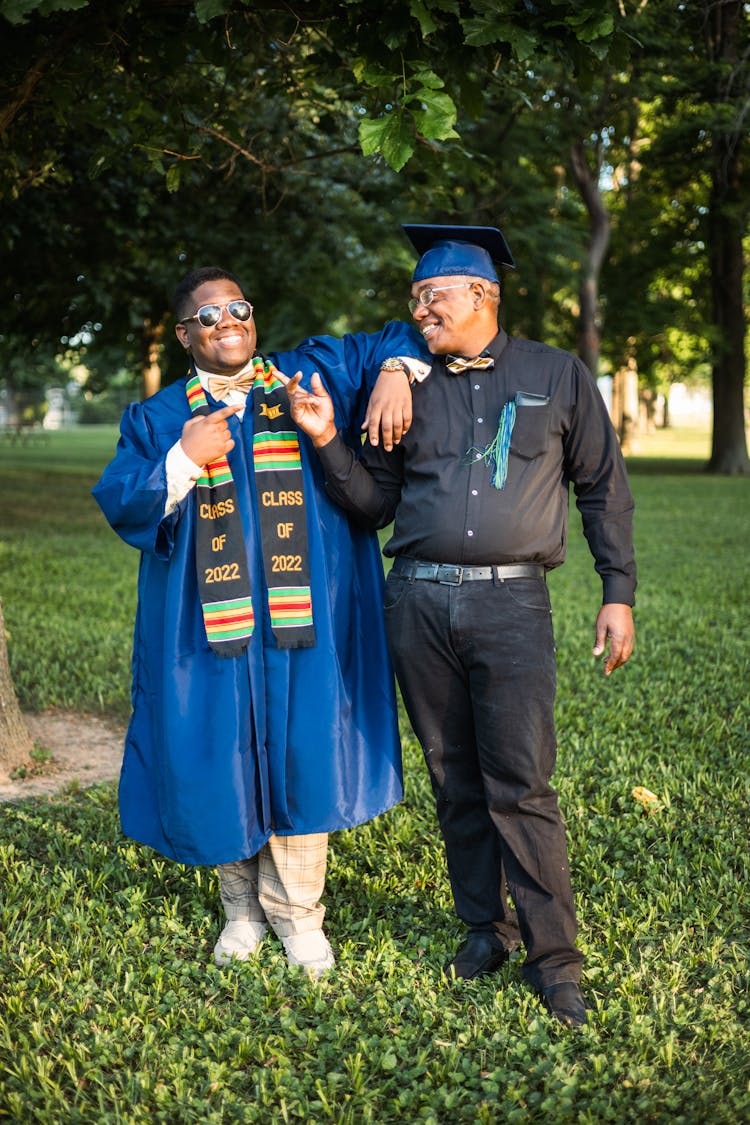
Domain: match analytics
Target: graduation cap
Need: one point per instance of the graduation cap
(469, 251)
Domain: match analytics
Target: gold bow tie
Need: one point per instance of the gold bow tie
(221, 385)
(457, 364)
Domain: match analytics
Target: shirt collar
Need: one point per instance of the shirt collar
(495, 348)
(497, 344)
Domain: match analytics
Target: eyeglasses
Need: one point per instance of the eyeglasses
(427, 296)
(210, 315)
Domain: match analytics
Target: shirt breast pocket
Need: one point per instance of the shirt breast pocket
(530, 436)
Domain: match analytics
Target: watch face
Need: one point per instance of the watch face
(391, 364)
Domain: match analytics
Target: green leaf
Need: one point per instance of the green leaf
(479, 31)
(420, 13)
(50, 6)
(173, 177)
(100, 161)
(590, 25)
(373, 75)
(391, 136)
(438, 117)
(600, 48)
(207, 10)
(371, 135)
(399, 142)
(425, 76)
(16, 11)
(484, 30)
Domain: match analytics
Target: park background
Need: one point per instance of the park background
(288, 142)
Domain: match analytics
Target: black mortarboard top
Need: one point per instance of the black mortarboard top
(446, 250)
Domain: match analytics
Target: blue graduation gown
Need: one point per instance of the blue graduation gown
(221, 753)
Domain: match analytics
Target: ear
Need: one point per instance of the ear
(181, 333)
(479, 294)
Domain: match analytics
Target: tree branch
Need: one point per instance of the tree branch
(25, 92)
(265, 167)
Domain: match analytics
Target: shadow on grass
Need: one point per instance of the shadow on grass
(666, 466)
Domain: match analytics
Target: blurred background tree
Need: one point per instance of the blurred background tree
(289, 141)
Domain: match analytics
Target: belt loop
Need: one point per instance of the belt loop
(497, 580)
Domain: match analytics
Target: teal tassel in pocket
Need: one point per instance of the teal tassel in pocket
(495, 455)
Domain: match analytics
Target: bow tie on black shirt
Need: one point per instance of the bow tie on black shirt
(457, 364)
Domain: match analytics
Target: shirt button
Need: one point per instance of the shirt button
(469, 533)
(480, 419)
(476, 386)
(474, 492)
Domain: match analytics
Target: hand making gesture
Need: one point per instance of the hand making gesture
(312, 410)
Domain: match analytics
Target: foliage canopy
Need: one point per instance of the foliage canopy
(290, 140)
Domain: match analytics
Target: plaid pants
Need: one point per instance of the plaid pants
(280, 885)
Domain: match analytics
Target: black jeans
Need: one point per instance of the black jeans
(476, 667)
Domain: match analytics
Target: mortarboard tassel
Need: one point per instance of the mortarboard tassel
(495, 455)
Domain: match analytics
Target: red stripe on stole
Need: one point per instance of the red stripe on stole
(275, 447)
(229, 619)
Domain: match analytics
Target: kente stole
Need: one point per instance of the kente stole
(221, 556)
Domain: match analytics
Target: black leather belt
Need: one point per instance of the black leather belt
(450, 575)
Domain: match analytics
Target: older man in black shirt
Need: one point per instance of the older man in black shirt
(478, 489)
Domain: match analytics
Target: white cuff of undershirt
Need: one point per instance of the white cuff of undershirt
(182, 473)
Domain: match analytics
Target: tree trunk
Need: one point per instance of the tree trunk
(589, 339)
(726, 229)
(153, 338)
(666, 420)
(15, 741)
(11, 405)
(625, 405)
(728, 442)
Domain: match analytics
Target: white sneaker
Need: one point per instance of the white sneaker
(238, 939)
(311, 950)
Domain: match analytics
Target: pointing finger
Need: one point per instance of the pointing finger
(224, 412)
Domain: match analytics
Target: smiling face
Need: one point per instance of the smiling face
(225, 348)
(459, 320)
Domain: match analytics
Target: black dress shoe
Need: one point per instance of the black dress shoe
(566, 1003)
(477, 956)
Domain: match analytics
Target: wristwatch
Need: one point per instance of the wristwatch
(393, 363)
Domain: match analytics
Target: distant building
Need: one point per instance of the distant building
(689, 406)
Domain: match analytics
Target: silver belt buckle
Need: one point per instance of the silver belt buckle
(459, 575)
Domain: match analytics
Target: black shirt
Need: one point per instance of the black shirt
(437, 486)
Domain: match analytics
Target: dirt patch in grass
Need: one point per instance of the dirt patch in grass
(70, 748)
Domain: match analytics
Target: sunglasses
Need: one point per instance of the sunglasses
(210, 315)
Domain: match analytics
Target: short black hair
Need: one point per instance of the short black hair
(194, 279)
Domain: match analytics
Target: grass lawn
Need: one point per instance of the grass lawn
(111, 1011)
